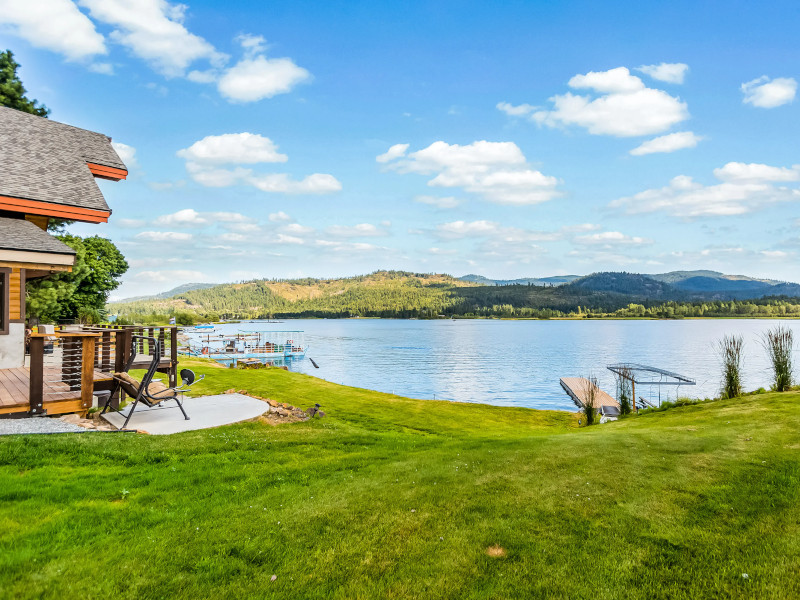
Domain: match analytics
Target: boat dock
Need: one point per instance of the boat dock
(578, 389)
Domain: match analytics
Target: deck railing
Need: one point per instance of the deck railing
(66, 375)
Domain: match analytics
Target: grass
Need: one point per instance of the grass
(388, 497)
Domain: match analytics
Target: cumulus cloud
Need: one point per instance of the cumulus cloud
(176, 276)
(56, 25)
(395, 151)
(743, 189)
(621, 106)
(188, 217)
(668, 72)
(520, 110)
(667, 143)
(610, 239)
(496, 171)
(279, 217)
(153, 30)
(162, 236)
(318, 183)
(242, 148)
(769, 93)
(215, 161)
(439, 201)
(356, 231)
(126, 153)
(253, 79)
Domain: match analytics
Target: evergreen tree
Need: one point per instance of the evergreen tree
(12, 92)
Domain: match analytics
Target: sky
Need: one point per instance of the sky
(507, 139)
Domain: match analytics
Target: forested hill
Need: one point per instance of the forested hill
(415, 295)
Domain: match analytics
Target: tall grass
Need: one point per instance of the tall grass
(730, 351)
(778, 344)
(589, 408)
(625, 390)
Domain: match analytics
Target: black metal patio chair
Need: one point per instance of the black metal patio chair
(148, 392)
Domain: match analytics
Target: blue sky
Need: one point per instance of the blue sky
(514, 139)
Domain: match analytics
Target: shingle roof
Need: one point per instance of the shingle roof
(19, 234)
(45, 160)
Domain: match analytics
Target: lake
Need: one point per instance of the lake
(516, 363)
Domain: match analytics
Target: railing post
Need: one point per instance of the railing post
(36, 383)
(87, 371)
(173, 357)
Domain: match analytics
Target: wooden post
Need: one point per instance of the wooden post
(633, 391)
(87, 370)
(173, 357)
(36, 383)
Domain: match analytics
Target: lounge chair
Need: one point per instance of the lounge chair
(148, 392)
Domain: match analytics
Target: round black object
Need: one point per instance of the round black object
(187, 376)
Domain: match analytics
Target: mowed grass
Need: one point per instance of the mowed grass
(388, 497)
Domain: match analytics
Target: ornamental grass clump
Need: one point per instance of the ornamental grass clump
(778, 344)
(730, 351)
(589, 408)
(625, 390)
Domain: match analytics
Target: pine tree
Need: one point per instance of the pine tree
(12, 92)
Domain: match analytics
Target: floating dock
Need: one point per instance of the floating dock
(578, 389)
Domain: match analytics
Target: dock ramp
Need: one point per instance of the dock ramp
(578, 389)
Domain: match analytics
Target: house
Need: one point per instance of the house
(48, 170)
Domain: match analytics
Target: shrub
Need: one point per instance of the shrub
(778, 344)
(730, 351)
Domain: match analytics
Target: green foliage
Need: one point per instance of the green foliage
(185, 318)
(778, 343)
(625, 391)
(84, 290)
(12, 92)
(397, 294)
(730, 351)
(590, 405)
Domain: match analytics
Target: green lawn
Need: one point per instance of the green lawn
(388, 497)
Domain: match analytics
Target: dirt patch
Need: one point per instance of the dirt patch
(496, 551)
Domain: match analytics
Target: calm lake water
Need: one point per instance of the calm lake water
(515, 363)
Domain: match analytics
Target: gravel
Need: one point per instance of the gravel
(38, 425)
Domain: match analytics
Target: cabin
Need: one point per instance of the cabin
(48, 170)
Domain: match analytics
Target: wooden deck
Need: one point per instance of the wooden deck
(58, 398)
(579, 387)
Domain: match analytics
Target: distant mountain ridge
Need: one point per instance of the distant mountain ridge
(542, 281)
(181, 289)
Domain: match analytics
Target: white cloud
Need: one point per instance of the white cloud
(360, 230)
(395, 151)
(153, 30)
(289, 239)
(188, 217)
(175, 276)
(55, 25)
(204, 156)
(163, 236)
(462, 229)
(516, 111)
(496, 171)
(241, 148)
(318, 183)
(744, 188)
(126, 153)
(439, 202)
(255, 76)
(102, 68)
(755, 173)
(130, 223)
(253, 79)
(297, 229)
(624, 108)
(610, 238)
(669, 72)
(667, 143)
(766, 93)
(279, 217)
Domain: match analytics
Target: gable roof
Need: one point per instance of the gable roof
(19, 234)
(45, 161)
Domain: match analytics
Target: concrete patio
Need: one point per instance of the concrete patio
(204, 412)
